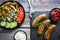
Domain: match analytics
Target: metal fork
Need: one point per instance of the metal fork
(32, 11)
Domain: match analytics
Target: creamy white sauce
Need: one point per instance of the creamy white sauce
(20, 36)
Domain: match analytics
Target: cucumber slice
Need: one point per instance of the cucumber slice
(13, 24)
(8, 25)
(3, 23)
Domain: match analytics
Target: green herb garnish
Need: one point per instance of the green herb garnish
(48, 25)
(40, 22)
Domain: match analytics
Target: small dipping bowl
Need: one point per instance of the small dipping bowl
(20, 35)
(55, 14)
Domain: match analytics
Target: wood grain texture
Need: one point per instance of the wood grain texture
(8, 35)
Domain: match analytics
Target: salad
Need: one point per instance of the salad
(11, 14)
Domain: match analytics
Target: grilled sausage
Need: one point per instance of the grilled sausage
(42, 26)
(39, 18)
(49, 31)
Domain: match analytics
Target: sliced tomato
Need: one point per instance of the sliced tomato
(20, 15)
(18, 20)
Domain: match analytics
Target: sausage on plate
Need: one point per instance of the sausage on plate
(42, 26)
(37, 19)
(49, 31)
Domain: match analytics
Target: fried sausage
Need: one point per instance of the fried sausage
(49, 31)
(39, 18)
(42, 26)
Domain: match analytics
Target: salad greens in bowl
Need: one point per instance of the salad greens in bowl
(11, 14)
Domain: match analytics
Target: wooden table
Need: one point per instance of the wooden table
(8, 34)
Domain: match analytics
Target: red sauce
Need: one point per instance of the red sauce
(55, 14)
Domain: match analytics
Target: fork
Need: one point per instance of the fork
(32, 11)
